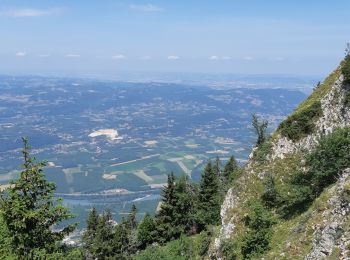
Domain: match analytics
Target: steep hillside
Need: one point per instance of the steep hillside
(293, 199)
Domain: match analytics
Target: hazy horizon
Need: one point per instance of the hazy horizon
(289, 38)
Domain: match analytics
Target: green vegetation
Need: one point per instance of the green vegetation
(346, 65)
(260, 129)
(323, 166)
(103, 239)
(229, 250)
(146, 231)
(301, 124)
(262, 151)
(209, 201)
(288, 201)
(347, 99)
(181, 249)
(257, 238)
(270, 196)
(29, 213)
(185, 210)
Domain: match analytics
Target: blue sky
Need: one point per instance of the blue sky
(250, 37)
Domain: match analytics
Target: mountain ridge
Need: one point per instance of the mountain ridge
(321, 231)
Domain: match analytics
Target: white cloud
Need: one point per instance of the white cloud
(118, 57)
(173, 57)
(29, 12)
(215, 57)
(21, 54)
(72, 55)
(248, 58)
(145, 8)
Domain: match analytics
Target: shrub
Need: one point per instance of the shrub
(347, 99)
(324, 164)
(300, 124)
(180, 249)
(345, 195)
(262, 151)
(346, 69)
(257, 238)
(270, 195)
(297, 200)
(204, 242)
(330, 157)
(228, 250)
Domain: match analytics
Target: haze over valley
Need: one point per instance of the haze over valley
(113, 143)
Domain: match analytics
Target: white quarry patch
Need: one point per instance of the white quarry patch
(112, 134)
(51, 164)
(150, 142)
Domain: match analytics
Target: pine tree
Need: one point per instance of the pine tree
(121, 241)
(131, 225)
(91, 229)
(165, 216)
(208, 199)
(102, 245)
(184, 208)
(217, 166)
(29, 210)
(132, 217)
(146, 231)
(230, 167)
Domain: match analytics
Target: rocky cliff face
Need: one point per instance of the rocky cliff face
(327, 223)
(330, 233)
(334, 115)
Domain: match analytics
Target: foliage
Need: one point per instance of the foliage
(347, 99)
(103, 239)
(262, 151)
(180, 249)
(70, 253)
(331, 156)
(102, 243)
(301, 124)
(270, 196)
(208, 199)
(29, 210)
(345, 195)
(184, 208)
(257, 237)
(91, 230)
(345, 69)
(164, 219)
(5, 240)
(324, 164)
(260, 129)
(146, 231)
(204, 242)
(228, 249)
(177, 211)
(217, 166)
(230, 169)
